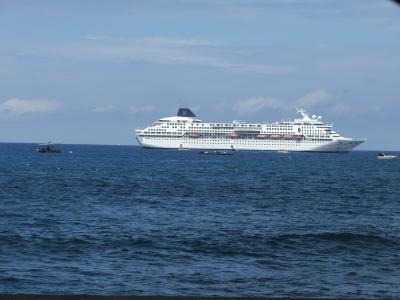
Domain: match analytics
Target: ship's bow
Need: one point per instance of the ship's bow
(344, 145)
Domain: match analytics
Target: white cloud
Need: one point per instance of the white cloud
(103, 109)
(156, 50)
(393, 28)
(161, 40)
(178, 41)
(361, 62)
(142, 109)
(16, 106)
(341, 108)
(260, 69)
(314, 98)
(96, 37)
(374, 5)
(256, 104)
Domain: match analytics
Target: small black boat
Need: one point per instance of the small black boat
(48, 148)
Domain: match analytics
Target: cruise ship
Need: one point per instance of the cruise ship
(186, 131)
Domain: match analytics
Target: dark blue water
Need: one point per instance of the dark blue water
(123, 220)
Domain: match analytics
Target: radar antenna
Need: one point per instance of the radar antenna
(302, 112)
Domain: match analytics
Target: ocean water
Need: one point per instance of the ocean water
(128, 221)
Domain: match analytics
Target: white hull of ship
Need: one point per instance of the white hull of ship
(250, 144)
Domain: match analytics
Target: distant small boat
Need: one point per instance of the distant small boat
(385, 156)
(181, 148)
(283, 151)
(48, 148)
(215, 153)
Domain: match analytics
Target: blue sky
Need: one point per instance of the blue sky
(93, 71)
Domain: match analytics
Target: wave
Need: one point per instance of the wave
(340, 237)
(260, 245)
(224, 244)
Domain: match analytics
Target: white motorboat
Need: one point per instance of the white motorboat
(385, 156)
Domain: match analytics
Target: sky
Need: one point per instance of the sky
(91, 72)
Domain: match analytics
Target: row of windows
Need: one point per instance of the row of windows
(227, 126)
(219, 136)
(224, 142)
(270, 129)
(230, 125)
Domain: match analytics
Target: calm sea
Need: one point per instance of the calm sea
(124, 220)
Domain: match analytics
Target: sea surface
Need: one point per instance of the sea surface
(122, 220)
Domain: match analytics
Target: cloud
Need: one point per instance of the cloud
(161, 40)
(256, 104)
(309, 100)
(365, 63)
(96, 37)
(316, 101)
(103, 109)
(341, 108)
(179, 41)
(374, 5)
(393, 28)
(314, 98)
(142, 109)
(18, 107)
(131, 109)
(260, 69)
(156, 50)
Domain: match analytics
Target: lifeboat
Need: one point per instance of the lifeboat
(232, 135)
(275, 136)
(262, 136)
(289, 136)
(194, 134)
